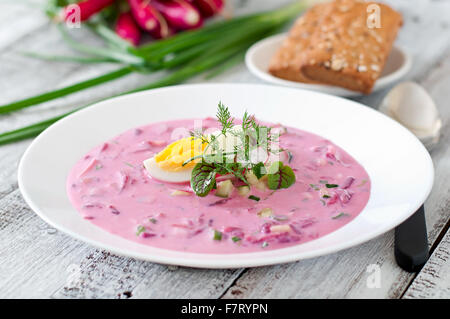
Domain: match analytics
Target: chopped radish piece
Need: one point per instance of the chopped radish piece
(348, 182)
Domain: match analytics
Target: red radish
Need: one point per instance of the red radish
(179, 13)
(165, 31)
(208, 8)
(87, 9)
(127, 29)
(149, 19)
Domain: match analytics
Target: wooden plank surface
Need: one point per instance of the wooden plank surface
(434, 279)
(39, 262)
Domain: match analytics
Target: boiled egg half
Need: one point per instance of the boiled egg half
(167, 165)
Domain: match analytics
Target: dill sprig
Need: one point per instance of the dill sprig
(224, 117)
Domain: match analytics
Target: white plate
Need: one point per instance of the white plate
(259, 55)
(399, 166)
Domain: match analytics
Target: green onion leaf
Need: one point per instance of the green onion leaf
(235, 239)
(217, 235)
(340, 215)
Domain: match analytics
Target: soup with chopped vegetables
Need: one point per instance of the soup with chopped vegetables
(221, 189)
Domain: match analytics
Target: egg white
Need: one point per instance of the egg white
(172, 177)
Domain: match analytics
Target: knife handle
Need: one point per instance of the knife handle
(411, 242)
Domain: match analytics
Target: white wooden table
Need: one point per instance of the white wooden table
(39, 262)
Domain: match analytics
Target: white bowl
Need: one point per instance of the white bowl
(400, 168)
(259, 55)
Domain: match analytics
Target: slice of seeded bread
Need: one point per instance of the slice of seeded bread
(286, 62)
(345, 48)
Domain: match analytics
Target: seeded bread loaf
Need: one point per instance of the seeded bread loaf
(287, 61)
(347, 48)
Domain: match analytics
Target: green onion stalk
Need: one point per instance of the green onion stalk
(215, 47)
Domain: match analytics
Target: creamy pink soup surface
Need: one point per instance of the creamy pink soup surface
(110, 187)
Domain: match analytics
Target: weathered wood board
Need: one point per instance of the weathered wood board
(39, 262)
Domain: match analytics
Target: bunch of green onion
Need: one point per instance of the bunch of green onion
(215, 47)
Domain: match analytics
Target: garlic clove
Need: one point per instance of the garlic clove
(411, 105)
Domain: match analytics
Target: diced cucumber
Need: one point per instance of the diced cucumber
(243, 190)
(280, 228)
(224, 189)
(251, 178)
(265, 212)
(262, 183)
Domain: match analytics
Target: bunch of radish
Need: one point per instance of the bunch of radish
(160, 18)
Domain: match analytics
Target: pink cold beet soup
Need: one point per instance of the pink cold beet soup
(111, 188)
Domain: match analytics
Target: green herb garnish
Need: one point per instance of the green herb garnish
(331, 185)
(339, 215)
(280, 176)
(128, 164)
(153, 220)
(215, 160)
(253, 197)
(235, 239)
(264, 244)
(217, 235)
(224, 117)
(203, 178)
(140, 230)
(259, 170)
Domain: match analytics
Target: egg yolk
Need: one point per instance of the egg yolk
(171, 158)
